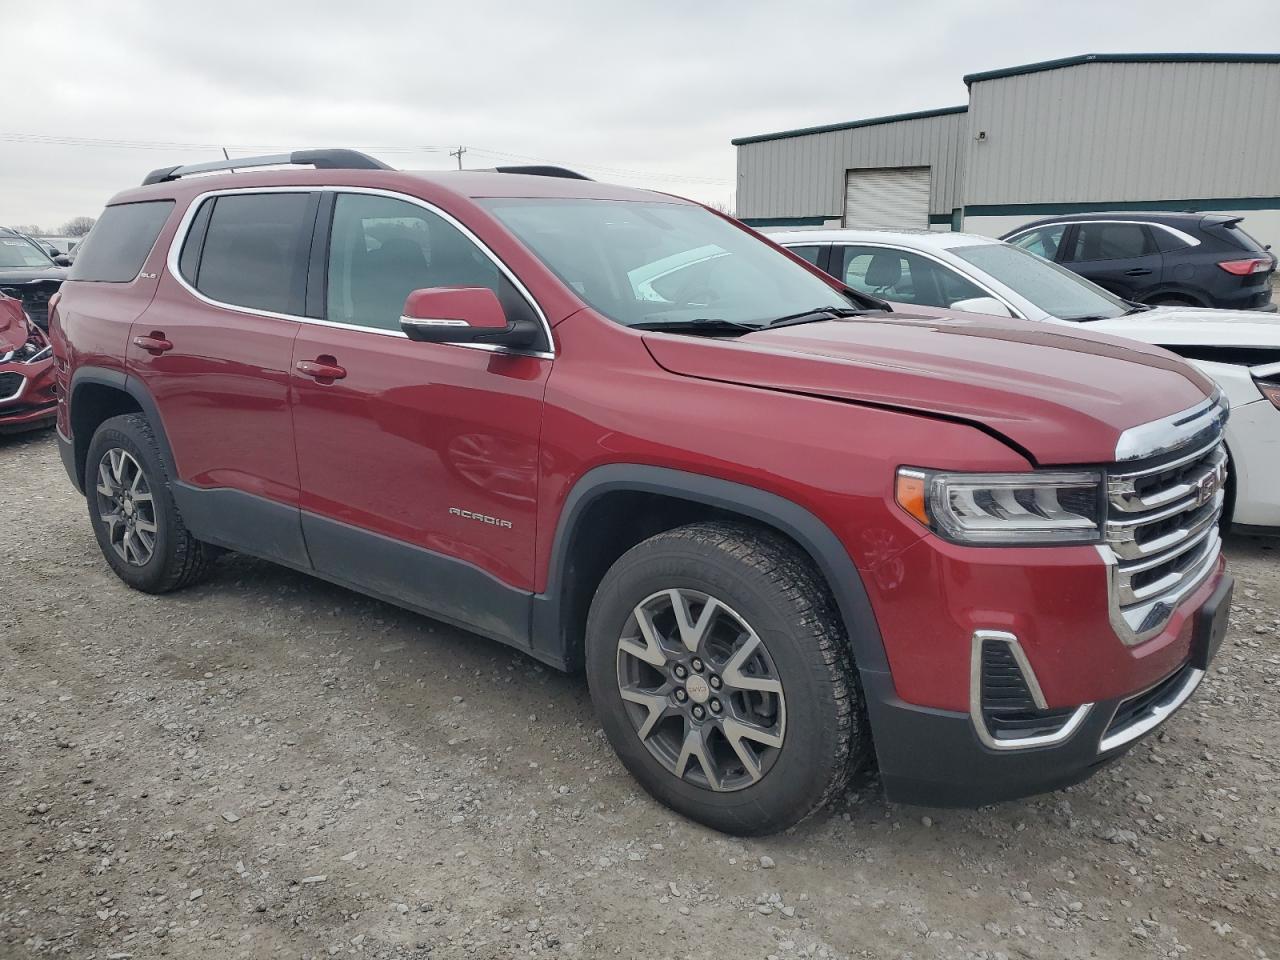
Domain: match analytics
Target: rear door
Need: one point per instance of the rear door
(215, 350)
(419, 462)
(1119, 256)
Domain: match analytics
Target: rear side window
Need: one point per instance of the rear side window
(255, 251)
(1111, 241)
(121, 240)
(1168, 242)
(807, 252)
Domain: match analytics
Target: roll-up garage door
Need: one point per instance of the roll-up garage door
(887, 197)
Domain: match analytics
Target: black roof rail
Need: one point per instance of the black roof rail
(544, 170)
(320, 159)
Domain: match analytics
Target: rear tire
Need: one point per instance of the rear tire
(745, 742)
(133, 513)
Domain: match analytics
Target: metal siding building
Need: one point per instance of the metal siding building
(800, 174)
(1096, 132)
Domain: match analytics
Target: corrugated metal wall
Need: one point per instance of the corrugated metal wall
(804, 176)
(1116, 132)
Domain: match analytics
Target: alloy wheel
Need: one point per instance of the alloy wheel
(126, 506)
(700, 689)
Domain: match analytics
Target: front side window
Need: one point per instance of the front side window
(903, 277)
(644, 262)
(1110, 241)
(254, 252)
(1057, 291)
(20, 252)
(382, 249)
(1043, 241)
(120, 241)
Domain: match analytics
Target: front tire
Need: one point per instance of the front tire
(720, 670)
(131, 508)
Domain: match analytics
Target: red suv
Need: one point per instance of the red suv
(785, 532)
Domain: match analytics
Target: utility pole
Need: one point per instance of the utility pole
(458, 153)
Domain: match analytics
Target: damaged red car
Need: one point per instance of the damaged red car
(27, 400)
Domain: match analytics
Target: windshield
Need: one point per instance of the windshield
(17, 252)
(1058, 292)
(652, 262)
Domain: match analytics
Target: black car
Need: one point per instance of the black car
(1187, 259)
(29, 274)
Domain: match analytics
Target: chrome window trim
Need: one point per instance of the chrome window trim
(1186, 238)
(432, 322)
(1061, 735)
(1158, 715)
(184, 227)
(1017, 314)
(1169, 433)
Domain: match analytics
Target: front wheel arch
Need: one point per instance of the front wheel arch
(558, 630)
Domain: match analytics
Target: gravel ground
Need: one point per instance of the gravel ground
(267, 765)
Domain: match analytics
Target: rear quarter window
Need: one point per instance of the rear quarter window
(120, 242)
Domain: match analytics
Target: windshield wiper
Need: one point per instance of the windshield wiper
(816, 315)
(1136, 308)
(1086, 319)
(695, 325)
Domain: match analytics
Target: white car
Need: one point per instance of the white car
(957, 271)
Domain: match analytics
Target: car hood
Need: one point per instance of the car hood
(1060, 395)
(13, 325)
(1192, 326)
(28, 274)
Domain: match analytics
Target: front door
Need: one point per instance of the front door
(418, 461)
(214, 349)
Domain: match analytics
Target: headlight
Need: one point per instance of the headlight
(1005, 509)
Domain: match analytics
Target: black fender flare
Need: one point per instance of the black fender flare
(118, 380)
(786, 516)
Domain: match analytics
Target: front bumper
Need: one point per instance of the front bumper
(33, 404)
(936, 757)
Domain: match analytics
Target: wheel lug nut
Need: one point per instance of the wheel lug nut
(697, 664)
(681, 695)
(715, 682)
(715, 706)
(680, 671)
(699, 713)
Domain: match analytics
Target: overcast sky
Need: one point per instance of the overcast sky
(647, 94)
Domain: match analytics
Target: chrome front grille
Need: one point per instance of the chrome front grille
(1162, 522)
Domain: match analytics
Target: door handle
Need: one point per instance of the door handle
(154, 343)
(1138, 272)
(324, 369)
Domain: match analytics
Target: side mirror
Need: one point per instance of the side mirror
(987, 305)
(62, 260)
(462, 315)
